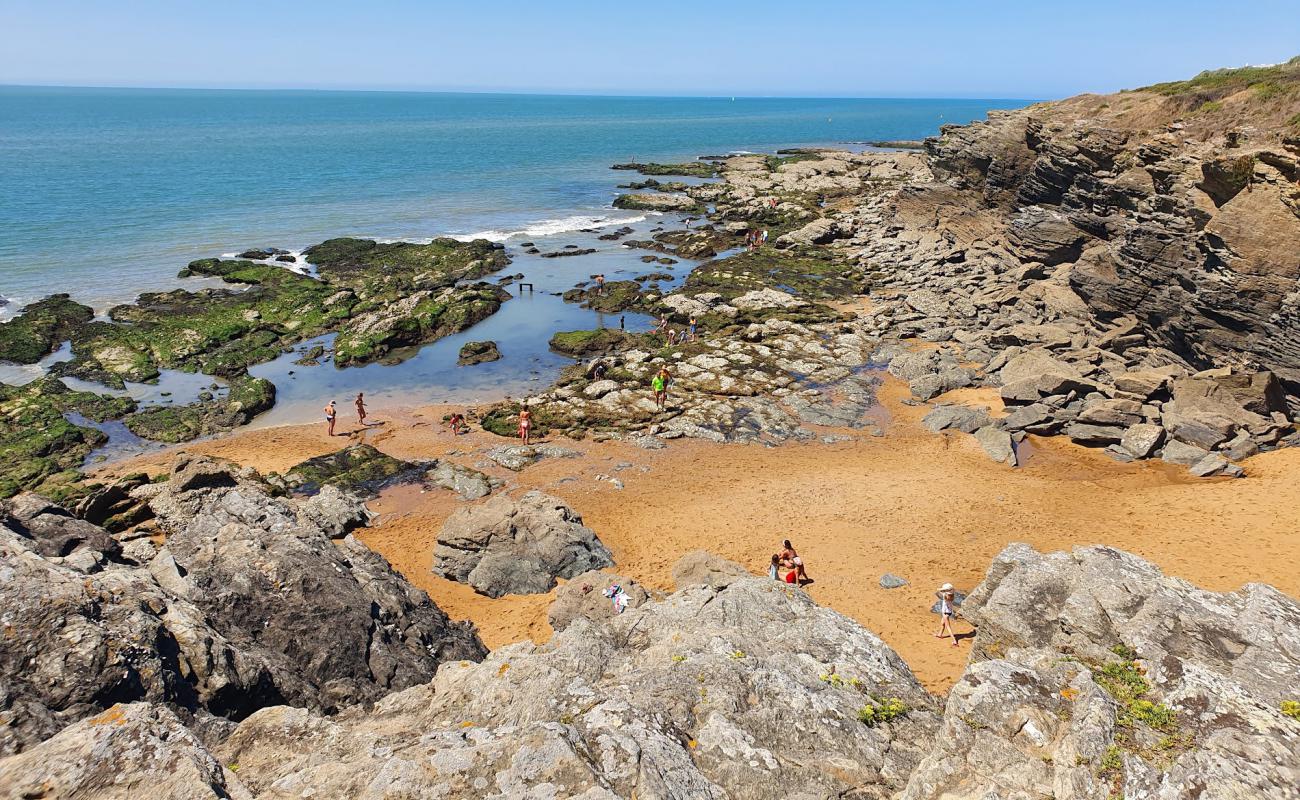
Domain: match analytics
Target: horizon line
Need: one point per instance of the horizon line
(513, 92)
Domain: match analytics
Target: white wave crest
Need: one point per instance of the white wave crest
(552, 227)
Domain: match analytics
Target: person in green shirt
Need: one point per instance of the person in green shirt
(659, 385)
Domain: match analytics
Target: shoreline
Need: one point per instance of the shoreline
(929, 508)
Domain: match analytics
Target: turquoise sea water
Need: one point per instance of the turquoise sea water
(105, 193)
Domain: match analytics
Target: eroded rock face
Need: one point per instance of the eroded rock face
(707, 694)
(589, 596)
(517, 546)
(249, 603)
(1095, 676)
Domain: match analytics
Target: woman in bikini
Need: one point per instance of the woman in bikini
(330, 413)
(525, 425)
(791, 558)
(361, 409)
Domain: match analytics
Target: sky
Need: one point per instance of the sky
(1031, 49)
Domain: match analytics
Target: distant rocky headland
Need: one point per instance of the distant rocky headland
(1121, 270)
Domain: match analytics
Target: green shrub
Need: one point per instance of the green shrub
(881, 710)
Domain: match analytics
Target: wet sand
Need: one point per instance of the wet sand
(929, 508)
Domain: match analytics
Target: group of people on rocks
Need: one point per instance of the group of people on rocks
(755, 239)
(688, 334)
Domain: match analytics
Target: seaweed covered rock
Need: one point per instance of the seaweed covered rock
(584, 343)
(413, 319)
(517, 546)
(40, 327)
(39, 447)
(657, 201)
(245, 399)
(358, 468)
(609, 298)
(478, 353)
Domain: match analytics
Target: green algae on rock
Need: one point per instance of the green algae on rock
(359, 468)
(478, 353)
(40, 448)
(40, 328)
(582, 343)
(694, 169)
(247, 397)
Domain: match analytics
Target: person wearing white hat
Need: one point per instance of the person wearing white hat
(947, 609)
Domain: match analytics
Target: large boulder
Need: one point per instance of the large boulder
(751, 691)
(517, 545)
(1095, 676)
(52, 531)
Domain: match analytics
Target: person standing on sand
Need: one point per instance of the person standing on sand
(947, 610)
(361, 409)
(525, 425)
(330, 413)
(659, 385)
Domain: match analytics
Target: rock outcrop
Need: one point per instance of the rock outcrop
(517, 546)
(1092, 676)
(248, 603)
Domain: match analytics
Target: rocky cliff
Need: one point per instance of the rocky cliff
(1092, 676)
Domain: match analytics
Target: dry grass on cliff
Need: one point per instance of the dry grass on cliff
(1213, 102)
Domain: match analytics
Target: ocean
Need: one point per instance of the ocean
(105, 193)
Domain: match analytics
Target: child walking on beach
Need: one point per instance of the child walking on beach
(947, 610)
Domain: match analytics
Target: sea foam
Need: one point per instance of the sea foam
(552, 227)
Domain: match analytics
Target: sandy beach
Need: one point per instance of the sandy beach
(929, 508)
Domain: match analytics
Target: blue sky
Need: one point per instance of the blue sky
(942, 48)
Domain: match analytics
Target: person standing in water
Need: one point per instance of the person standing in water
(947, 610)
(330, 413)
(361, 409)
(525, 425)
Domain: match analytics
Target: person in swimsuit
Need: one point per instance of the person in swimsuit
(330, 413)
(659, 384)
(600, 284)
(692, 326)
(361, 408)
(457, 423)
(525, 425)
(774, 571)
(791, 558)
(947, 610)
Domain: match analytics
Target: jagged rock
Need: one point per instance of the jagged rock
(584, 596)
(750, 691)
(1094, 435)
(966, 419)
(998, 444)
(1142, 440)
(1214, 465)
(470, 484)
(1176, 452)
(702, 568)
(335, 512)
(927, 387)
(1034, 418)
(517, 457)
(125, 753)
(52, 531)
(360, 469)
(112, 507)
(517, 546)
(891, 581)
(1054, 704)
